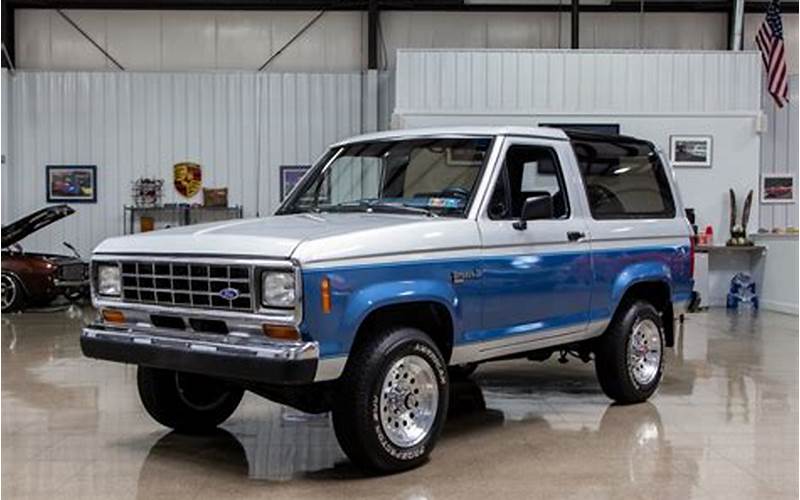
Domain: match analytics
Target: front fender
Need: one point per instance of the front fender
(638, 273)
(372, 297)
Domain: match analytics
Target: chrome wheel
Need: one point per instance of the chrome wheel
(9, 291)
(644, 352)
(409, 401)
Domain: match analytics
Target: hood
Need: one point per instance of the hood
(24, 227)
(270, 237)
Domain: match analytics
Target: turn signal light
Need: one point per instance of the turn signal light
(325, 292)
(113, 316)
(280, 332)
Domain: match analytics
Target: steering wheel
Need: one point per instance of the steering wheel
(455, 192)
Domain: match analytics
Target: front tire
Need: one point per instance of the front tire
(629, 358)
(393, 401)
(13, 295)
(186, 402)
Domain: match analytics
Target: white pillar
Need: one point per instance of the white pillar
(738, 25)
(369, 101)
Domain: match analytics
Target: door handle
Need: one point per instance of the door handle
(575, 235)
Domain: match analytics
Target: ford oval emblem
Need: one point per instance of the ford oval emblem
(229, 293)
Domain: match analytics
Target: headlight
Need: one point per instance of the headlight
(108, 280)
(277, 289)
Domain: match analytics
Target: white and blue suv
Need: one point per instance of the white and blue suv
(401, 260)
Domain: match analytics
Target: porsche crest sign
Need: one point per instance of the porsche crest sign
(188, 178)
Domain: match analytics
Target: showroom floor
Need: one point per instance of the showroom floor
(724, 425)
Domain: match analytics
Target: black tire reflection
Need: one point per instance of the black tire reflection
(176, 461)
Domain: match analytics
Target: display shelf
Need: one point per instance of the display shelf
(727, 249)
(167, 216)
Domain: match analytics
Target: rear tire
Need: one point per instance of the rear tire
(186, 402)
(629, 358)
(392, 400)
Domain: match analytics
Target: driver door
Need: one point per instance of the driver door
(537, 281)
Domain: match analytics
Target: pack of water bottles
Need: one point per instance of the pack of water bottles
(742, 291)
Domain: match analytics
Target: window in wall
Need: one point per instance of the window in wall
(528, 171)
(624, 179)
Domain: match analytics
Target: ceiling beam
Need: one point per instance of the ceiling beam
(721, 6)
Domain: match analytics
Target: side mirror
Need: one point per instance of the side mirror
(535, 207)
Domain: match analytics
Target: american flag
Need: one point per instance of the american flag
(770, 42)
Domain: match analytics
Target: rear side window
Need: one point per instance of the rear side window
(624, 179)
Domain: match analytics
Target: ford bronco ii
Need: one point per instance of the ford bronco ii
(402, 259)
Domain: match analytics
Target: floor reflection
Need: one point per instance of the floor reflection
(724, 423)
(289, 444)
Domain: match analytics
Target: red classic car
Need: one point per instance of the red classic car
(35, 279)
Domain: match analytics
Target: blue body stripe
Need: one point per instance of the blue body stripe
(502, 296)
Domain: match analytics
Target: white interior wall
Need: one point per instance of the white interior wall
(194, 40)
(651, 95)
(241, 127)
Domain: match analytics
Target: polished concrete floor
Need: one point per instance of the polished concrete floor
(723, 425)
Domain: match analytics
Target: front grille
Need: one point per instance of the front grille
(188, 285)
(72, 272)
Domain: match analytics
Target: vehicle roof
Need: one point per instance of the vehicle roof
(584, 135)
(540, 132)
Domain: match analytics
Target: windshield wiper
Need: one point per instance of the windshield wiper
(378, 206)
(400, 208)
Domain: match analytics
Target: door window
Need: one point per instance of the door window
(528, 171)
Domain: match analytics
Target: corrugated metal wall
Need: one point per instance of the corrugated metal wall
(779, 150)
(159, 40)
(241, 127)
(4, 116)
(550, 30)
(561, 81)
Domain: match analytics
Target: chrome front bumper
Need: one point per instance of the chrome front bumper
(223, 356)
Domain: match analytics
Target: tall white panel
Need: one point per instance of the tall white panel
(649, 94)
(241, 127)
(779, 150)
(577, 81)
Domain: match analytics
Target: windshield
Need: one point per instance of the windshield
(433, 176)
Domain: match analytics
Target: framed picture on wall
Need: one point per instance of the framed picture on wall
(778, 188)
(690, 150)
(71, 183)
(290, 176)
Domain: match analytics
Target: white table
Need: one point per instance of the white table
(714, 266)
